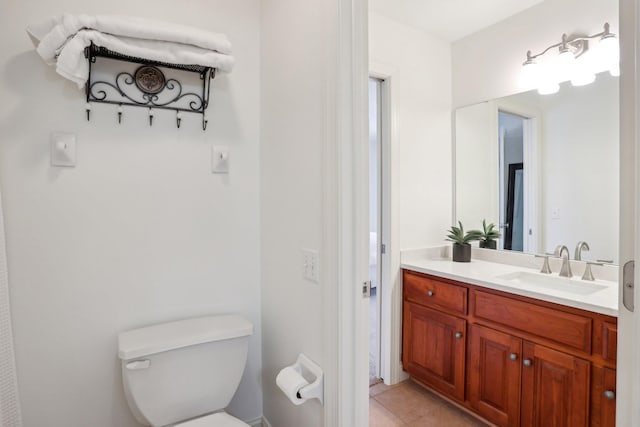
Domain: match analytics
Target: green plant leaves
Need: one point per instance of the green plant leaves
(457, 235)
(489, 231)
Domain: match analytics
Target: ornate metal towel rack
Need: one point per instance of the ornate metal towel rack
(147, 87)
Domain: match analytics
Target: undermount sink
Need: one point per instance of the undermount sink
(536, 280)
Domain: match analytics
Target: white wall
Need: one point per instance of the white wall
(580, 157)
(486, 65)
(420, 66)
(417, 69)
(476, 165)
(294, 43)
(139, 232)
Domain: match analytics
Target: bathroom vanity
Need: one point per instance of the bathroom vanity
(517, 355)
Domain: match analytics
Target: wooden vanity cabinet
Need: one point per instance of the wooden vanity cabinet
(528, 363)
(603, 395)
(434, 350)
(555, 388)
(495, 375)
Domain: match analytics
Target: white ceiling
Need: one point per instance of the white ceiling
(450, 19)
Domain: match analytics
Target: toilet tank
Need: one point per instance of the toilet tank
(183, 369)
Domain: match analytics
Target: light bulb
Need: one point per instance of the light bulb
(529, 75)
(609, 51)
(565, 66)
(615, 71)
(583, 72)
(548, 82)
(583, 78)
(548, 88)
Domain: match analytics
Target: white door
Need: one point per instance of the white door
(375, 224)
(628, 373)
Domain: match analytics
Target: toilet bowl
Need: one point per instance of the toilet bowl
(219, 419)
(185, 373)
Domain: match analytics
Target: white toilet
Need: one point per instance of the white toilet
(185, 373)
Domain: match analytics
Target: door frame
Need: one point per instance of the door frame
(531, 152)
(380, 226)
(343, 335)
(390, 295)
(345, 236)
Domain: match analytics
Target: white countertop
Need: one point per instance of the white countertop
(490, 274)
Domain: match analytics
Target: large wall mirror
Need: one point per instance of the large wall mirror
(545, 168)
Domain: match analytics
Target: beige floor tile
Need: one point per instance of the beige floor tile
(408, 401)
(379, 388)
(380, 417)
(446, 415)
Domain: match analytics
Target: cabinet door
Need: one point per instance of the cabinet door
(494, 375)
(603, 404)
(555, 388)
(433, 348)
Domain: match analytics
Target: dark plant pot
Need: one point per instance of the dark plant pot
(488, 244)
(461, 253)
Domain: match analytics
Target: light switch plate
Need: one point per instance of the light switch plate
(219, 159)
(63, 149)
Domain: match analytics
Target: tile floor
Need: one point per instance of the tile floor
(409, 404)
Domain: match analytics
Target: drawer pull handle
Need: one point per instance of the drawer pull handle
(430, 293)
(609, 394)
(513, 356)
(458, 335)
(526, 362)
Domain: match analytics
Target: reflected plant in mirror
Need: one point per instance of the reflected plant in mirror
(546, 166)
(489, 236)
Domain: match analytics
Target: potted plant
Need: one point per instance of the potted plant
(489, 235)
(461, 242)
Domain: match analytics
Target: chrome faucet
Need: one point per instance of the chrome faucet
(581, 246)
(565, 270)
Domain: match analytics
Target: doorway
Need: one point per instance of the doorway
(375, 226)
(515, 181)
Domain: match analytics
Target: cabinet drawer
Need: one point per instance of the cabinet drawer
(570, 330)
(433, 293)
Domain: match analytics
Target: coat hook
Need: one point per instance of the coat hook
(205, 120)
(120, 109)
(178, 118)
(88, 108)
(150, 116)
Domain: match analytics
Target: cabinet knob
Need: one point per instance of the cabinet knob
(610, 394)
(430, 293)
(458, 335)
(513, 356)
(526, 362)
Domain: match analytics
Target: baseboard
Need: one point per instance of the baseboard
(265, 422)
(255, 422)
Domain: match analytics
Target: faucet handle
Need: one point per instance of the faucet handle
(588, 275)
(545, 265)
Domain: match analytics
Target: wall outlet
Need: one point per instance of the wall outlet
(310, 265)
(555, 213)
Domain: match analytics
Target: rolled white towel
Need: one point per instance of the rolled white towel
(61, 40)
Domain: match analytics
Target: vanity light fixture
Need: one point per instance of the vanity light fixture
(574, 62)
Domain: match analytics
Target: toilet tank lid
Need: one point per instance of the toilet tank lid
(182, 333)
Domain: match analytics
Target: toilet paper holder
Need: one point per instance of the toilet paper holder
(307, 369)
